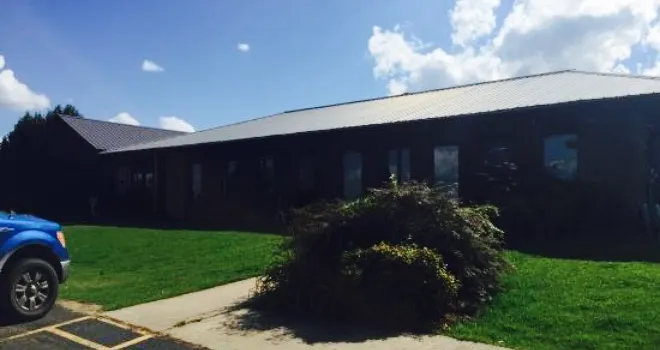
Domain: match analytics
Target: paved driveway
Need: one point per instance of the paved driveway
(64, 329)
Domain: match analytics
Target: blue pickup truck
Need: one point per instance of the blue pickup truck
(34, 261)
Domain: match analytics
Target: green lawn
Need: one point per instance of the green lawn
(118, 267)
(572, 304)
(548, 303)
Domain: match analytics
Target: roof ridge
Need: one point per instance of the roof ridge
(66, 116)
(183, 134)
(359, 101)
(240, 122)
(555, 78)
(618, 75)
(432, 90)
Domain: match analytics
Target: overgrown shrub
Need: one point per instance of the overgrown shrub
(376, 276)
(404, 252)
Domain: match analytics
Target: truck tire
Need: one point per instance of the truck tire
(28, 290)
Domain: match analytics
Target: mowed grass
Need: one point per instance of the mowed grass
(119, 267)
(572, 304)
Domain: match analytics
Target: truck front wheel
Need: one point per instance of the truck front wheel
(28, 290)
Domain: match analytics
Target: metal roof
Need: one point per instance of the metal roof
(534, 90)
(104, 135)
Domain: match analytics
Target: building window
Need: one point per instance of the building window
(445, 163)
(232, 167)
(498, 174)
(123, 179)
(306, 174)
(561, 156)
(149, 180)
(267, 165)
(196, 180)
(498, 156)
(399, 164)
(352, 175)
(138, 179)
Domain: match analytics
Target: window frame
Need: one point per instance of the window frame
(358, 176)
(149, 179)
(267, 168)
(123, 179)
(228, 173)
(456, 159)
(573, 172)
(399, 164)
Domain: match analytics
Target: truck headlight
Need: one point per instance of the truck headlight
(60, 237)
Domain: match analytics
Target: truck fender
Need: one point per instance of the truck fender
(24, 239)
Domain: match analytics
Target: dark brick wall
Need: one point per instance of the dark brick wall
(610, 141)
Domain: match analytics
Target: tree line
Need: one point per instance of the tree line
(31, 175)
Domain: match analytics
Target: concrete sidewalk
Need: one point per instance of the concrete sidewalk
(162, 315)
(207, 318)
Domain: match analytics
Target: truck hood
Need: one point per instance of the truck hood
(27, 222)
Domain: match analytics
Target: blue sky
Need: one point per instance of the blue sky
(301, 53)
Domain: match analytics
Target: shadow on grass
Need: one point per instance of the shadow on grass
(245, 318)
(635, 248)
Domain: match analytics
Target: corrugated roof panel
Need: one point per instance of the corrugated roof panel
(107, 135)
(537, 90)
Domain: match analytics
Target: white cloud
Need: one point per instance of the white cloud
(472, 19)
(243, 47)
(16, 95)
(535, 36)
(175, 123)
(151, 66)
(125, 118)
(653, 70)
(169, 123)
(652, 41)
(397, 87)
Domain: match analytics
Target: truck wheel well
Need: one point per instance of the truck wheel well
(35, 251)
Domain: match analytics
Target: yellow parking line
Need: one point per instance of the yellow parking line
(123, 325)
(117, 323)
(132, 342)
(54, 329)
(45, 328)
(77, 339)
(113, 323)
(17, 336)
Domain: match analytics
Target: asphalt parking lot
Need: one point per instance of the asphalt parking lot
(63, 329)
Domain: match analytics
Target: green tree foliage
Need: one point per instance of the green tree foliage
(30, 171)
(406, 257)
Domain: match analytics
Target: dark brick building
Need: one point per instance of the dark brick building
(569, 125)
(77, 143)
